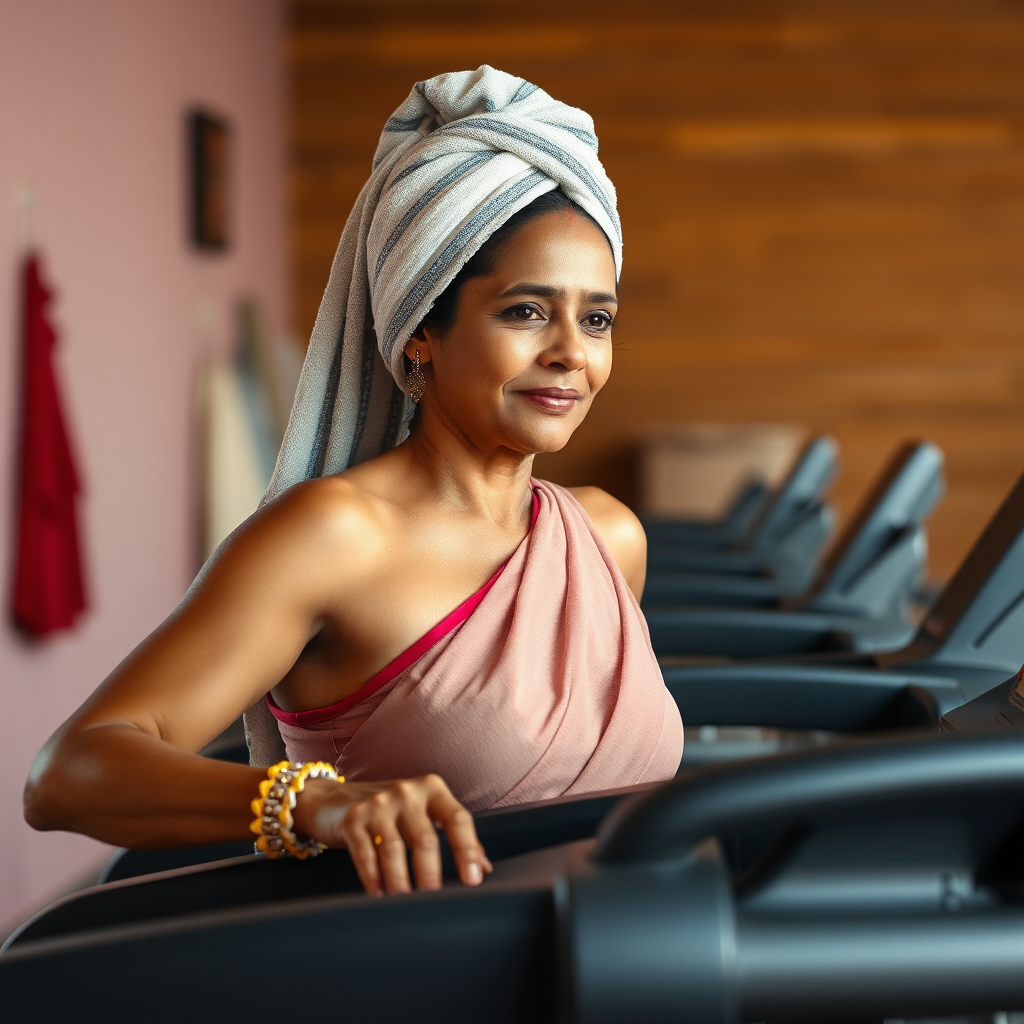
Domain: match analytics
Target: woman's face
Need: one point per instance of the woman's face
(532, 341)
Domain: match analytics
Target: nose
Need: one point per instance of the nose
(565, 349)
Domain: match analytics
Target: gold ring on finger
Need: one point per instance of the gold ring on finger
(377, 840)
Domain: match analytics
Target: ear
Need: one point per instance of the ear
(421, 339)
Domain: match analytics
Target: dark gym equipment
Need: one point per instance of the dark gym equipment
(865, 573)
(871, 573)
(1000, 708)
(784, 539)
(725, 532)
(230, 882)
(972, 639)
(871, 570)
(867, 881)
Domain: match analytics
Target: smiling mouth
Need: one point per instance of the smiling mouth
(555, 399)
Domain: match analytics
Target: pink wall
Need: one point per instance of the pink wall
(92, 102)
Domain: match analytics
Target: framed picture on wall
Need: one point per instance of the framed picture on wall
(209, 143)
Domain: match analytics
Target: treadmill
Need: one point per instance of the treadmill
(971, 641)
(873, 880)
(861, 598)
(870, 570)
(729, 529)
(785, 538)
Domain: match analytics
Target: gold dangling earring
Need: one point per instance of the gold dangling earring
(416, 381)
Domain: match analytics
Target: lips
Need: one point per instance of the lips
(567, 393)
(554, 399)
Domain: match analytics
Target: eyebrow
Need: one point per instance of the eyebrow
(549, 291)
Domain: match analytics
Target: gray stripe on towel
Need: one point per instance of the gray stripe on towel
(581, 133)
(318, 453)
(424, 200)
(411, 169)
(403, 124)
(366, 374)
(525, 90)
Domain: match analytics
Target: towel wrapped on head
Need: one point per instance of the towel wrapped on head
(458, 158)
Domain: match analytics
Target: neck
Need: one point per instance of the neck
(444, 463)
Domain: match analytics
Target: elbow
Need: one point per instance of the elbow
(35, 809)
(40, 799)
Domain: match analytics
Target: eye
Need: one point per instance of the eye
(524, 311)
(597, 321)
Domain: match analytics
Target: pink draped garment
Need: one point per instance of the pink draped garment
(541, 684)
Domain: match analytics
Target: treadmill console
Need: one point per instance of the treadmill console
(1001, 708)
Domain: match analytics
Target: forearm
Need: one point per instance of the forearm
(126, 787)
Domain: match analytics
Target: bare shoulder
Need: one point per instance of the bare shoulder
(248, 615)
(620, 529)
(332, 509)
(304, 532)
(615, 521)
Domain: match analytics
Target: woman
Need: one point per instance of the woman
(477, 276)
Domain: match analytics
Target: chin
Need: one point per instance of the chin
(543, 443)
(540, 435)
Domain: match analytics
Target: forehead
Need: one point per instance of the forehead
(561, 248)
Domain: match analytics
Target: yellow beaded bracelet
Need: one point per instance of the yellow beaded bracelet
(273, 809)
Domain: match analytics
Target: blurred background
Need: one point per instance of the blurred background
(823, 209)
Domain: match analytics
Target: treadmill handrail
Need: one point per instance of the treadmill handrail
(886, 529)
(767, 633)
(903, 495)
(733, 525)
(808, 480)
(985, 591)
(663, 825)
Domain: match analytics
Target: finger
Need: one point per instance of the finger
(390, 848)
(418, 831)
(363, 853)
(458, 825)
(484, 859)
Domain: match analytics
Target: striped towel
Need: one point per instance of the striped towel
(461, 155)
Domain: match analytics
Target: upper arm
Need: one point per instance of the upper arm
(621, 531)
(238, 630)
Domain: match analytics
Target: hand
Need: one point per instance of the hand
(379, 821)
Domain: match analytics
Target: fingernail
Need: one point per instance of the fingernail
(473, 874)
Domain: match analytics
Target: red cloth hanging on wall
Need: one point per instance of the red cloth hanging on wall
(49, 590)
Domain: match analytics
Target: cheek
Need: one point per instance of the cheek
(494, 356)
(599, 366)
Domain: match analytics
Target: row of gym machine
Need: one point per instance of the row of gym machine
(844, 840)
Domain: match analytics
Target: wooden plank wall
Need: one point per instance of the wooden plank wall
(823, 206)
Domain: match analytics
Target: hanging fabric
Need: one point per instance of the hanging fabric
(49, 590)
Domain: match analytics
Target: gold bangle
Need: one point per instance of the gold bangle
(273, 809)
